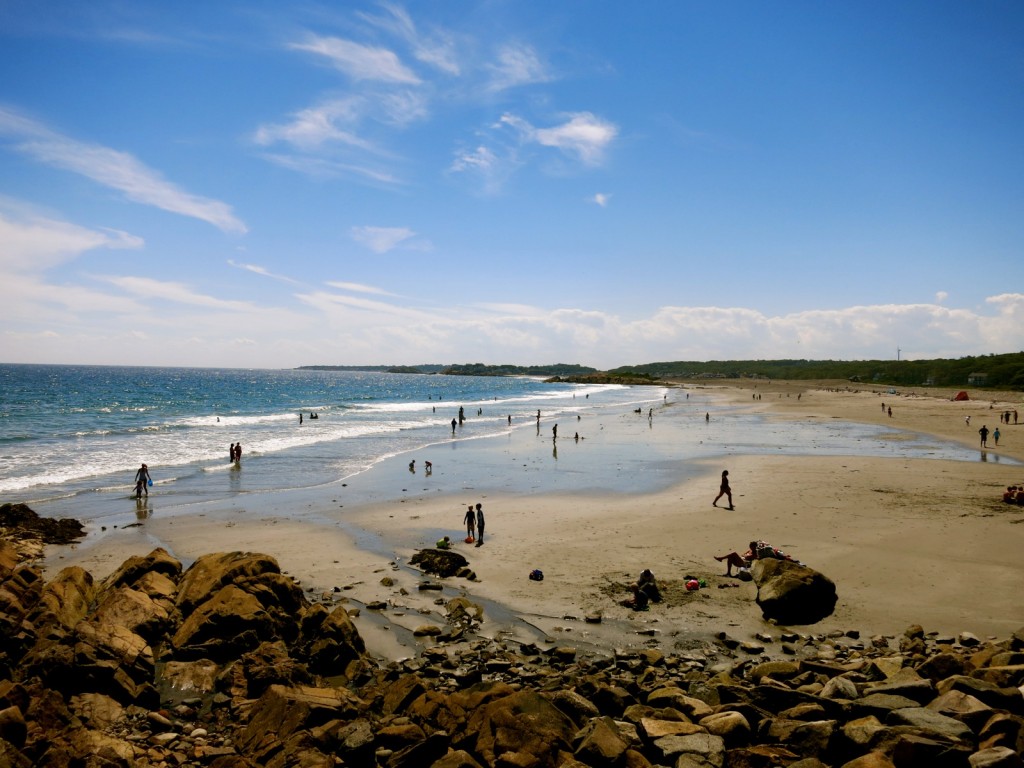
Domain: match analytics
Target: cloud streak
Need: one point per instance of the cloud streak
(358, 61)
(583, 135)
(113, 169)
(381, 239)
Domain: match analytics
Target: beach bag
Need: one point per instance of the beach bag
(151, 482)
(692, 585)
(536, 575)
(743, 574)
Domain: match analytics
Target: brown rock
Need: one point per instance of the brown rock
(791, 593)
(134, 568)
(733, 727)
(226, 625)
(133, 610)
(600, 743)
(996, 757)
(870, 760)
(524, 723)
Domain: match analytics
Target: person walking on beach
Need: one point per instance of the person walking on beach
(453, 426)
(142, 481)
(984, 435)
(554, 432)
(479, 524)
(724, 490)
(995, 436)
(470, 521)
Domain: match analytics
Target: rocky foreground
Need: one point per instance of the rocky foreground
(228, 664)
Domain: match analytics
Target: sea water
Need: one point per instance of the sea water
(79, 431)
(72, 437)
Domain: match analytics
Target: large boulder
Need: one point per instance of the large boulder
(225, 626)
(523, 728)
(134, 568)
(791, 593)
(442, 562)
(211, 572)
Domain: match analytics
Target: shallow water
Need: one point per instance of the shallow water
(71, 438)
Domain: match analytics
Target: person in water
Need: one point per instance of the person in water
(142, 481)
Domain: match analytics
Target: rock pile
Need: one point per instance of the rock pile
(226, 664)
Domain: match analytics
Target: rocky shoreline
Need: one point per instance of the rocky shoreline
(229, 663)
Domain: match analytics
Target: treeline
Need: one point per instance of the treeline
(993, 371)
(465, 369)
(558, 369)
(429, 368)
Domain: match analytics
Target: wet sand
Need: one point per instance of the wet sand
(906, 540)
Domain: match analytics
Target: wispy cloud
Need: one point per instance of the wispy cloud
(114, 169)
(436, 49)
(178, 293)
(584, 135)
(311, 128)
(480, 159)
(35, 244)
(324, 167)
(258, 270)
(358, 288)
(601, 199)
(358, 61)
(381, 239)
(516, 65)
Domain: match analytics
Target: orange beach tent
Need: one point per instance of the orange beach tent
(961, 395)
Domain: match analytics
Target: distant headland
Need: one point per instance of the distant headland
(1003, 371)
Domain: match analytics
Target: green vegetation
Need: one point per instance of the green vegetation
(479, 369)
(432, 368)
(997, 371)
(984, 371)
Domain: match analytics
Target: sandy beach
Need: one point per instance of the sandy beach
(906, 540)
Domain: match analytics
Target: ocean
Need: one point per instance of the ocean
(72, 437)
(83, 431)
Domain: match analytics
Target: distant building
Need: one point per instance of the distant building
(978, 379)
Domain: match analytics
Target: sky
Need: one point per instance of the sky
(269, 185)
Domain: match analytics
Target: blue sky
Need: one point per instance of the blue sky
(604, 183)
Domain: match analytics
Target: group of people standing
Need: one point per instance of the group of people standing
(235, 452)
(474, 520)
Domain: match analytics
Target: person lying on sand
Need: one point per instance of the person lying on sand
(759, 550)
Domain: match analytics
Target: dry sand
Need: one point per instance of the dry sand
(906, 540)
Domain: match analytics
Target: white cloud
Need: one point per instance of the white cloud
(516, 65)
(114, 169)
(941, 296)
(601, 199)
(258, 270)
(381, 239)
(311, 128)
(479, 159)
(34, 244)
(327, 168)
(148, 288)
(436, 49)
(358, 61)
(583, 135)
(358, 288)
